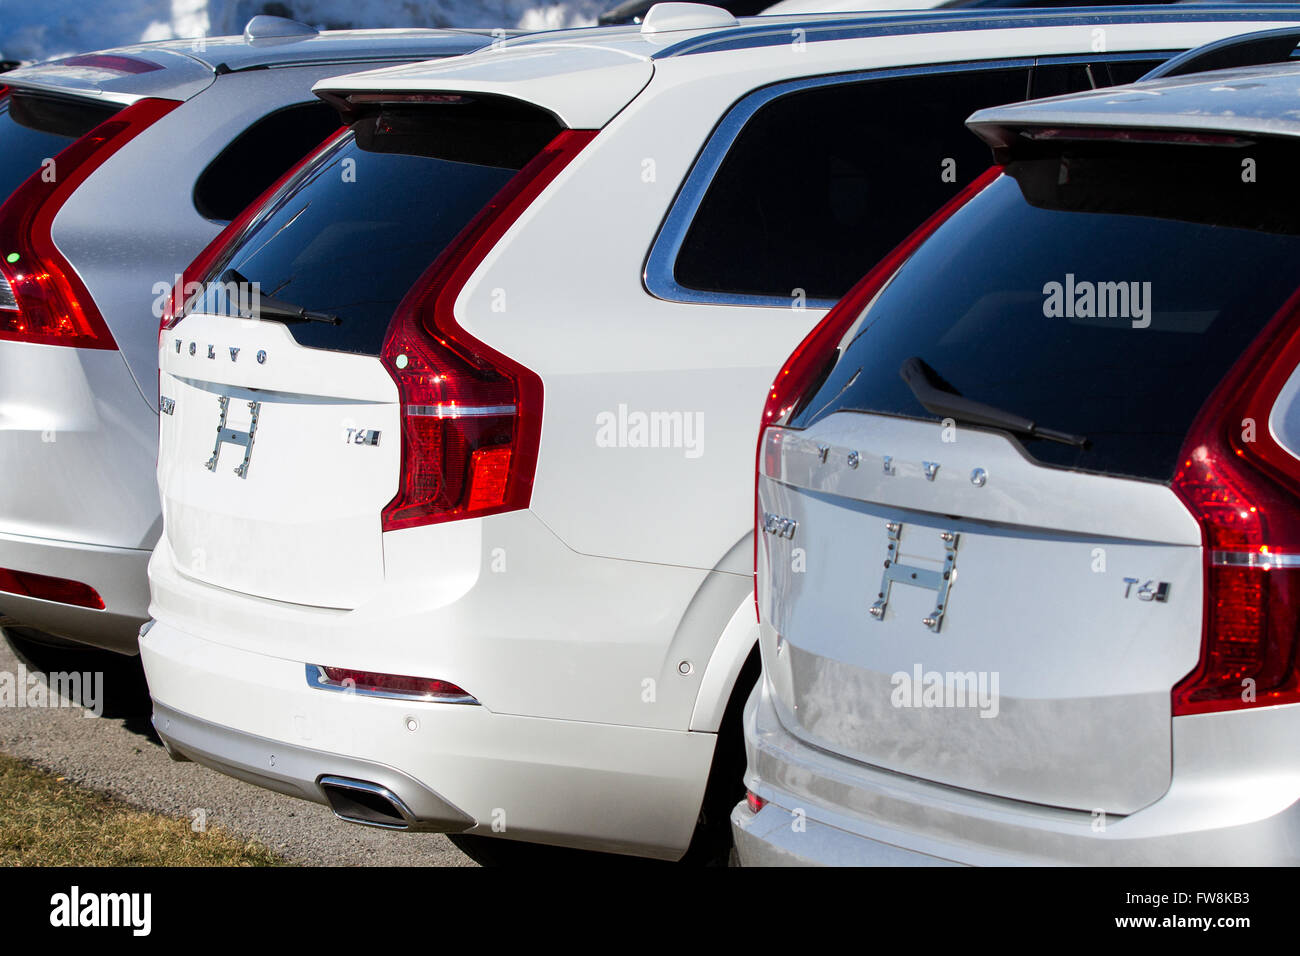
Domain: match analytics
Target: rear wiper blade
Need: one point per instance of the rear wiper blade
(940, 398)
(269, 308)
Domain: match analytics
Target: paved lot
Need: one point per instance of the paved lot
(118, 753)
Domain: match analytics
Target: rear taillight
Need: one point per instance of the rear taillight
(471, 417)
(198, 273)
(754, 801)
(813, 356)
(376, 684)
(42, 299)
(1244, 489)
(47, 588)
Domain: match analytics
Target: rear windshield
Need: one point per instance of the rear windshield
(36, 128)
(371, 214)
(1102, 291)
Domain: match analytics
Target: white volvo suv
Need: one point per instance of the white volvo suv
(457, 511)
(1031, 501)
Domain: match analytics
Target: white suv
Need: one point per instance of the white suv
(1031, 496)
(460, 540)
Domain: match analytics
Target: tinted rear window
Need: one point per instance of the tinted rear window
(367, 218)
(36, 128)
(820, 183)
(1104, 292)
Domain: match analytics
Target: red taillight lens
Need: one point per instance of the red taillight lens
(471, 417)
(812, 356)
(42, 299)
(754, 801)
(192, 282)
(390, 685)
(47, 588)
(1244, 489)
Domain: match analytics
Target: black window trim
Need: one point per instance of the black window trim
(658, 274)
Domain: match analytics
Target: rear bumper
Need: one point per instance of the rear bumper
(119, 575)
(297, 770)
(583, 732)
(767, 838)
(1232, 801)
(458, 767)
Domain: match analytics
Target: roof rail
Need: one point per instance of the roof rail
(1247, 49)
(761, 31)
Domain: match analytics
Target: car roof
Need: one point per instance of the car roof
(180, 69)
(1257, 100)
(771, 30)
(585, 76)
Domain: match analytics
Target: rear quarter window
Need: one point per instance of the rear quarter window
(822, 182)
(259, 156)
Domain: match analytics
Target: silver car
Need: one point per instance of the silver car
(120, 167)
(1029, 498)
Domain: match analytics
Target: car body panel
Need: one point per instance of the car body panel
(273, 530)
(1056, 677)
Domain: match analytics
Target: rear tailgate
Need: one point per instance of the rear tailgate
(284, 439)
(1044, 677)
(266, 489)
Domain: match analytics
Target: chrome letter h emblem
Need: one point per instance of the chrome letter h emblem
(937, 581)
(231, 436)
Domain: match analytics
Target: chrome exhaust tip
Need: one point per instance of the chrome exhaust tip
(366, 803)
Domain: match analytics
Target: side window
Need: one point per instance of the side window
(258, 156)
(1057, 79)
(821, 183)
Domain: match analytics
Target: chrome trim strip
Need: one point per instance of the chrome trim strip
(1126, 56)
(658, 272)
(1265, 560)
(459, 411)
(317, 678)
